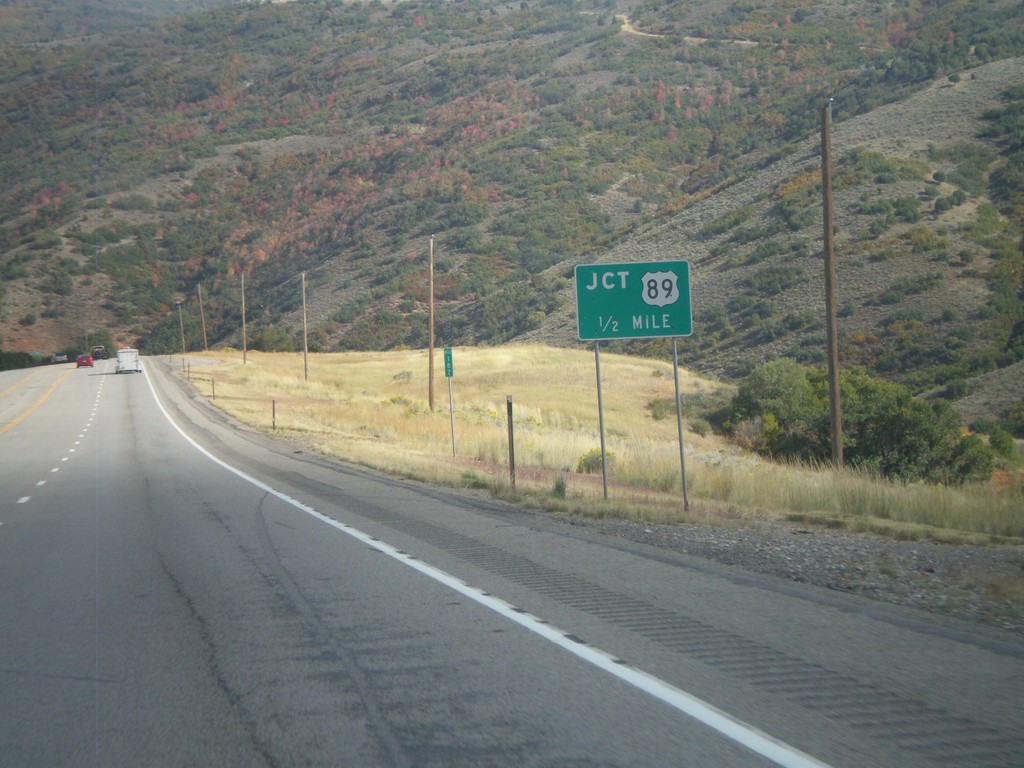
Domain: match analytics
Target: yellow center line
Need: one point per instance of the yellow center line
(37, 403)
(19, 383)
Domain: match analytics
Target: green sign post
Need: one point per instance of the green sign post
(633, 301)
(449, 372)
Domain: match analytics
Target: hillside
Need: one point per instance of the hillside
(159, 155)
(904, 136)
(43, 21)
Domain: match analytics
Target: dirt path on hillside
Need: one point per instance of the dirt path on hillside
(628, 28)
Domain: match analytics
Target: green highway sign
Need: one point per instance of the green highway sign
(449, 370)
(639, 300)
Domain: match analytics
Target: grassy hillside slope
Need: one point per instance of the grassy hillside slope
(337, 139)
(372, 408)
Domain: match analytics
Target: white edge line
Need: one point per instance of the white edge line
(731, 727)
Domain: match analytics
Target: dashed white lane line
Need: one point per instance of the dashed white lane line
(40, 483)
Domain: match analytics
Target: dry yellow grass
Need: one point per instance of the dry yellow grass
(372, 409)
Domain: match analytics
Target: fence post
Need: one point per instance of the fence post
(511, 444)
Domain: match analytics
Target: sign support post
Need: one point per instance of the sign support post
(679, 424)
(600, 418)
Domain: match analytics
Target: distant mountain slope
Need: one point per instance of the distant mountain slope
(911, 134)
(41, 21)
(267, 140)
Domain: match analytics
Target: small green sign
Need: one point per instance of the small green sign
(633, 301)
(449, 369)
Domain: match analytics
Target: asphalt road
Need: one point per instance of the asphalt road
(176, 590)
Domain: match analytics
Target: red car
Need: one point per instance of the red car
(84, 361)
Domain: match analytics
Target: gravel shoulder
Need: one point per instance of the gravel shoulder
(984, 585)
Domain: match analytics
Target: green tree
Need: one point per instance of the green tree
(886, 429)
(273, 339)
(1001, 442)
(1015, 419)
(780, 393)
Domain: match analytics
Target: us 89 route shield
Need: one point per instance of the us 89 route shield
(640, 300)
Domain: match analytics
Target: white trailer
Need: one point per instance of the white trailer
(128, 361)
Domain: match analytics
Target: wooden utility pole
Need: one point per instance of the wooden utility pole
(430, 374)
(245, 344)
(202, 315)
(305, 333)
(181, 326)
(835, 407)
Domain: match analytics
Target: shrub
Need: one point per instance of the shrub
(590, 462)
(784, 407)
(45, 240)
(873, 207)
(464, 214)
(1001, 442)
(661, 408)
(798, 212)
(412, 407)
(970, 461)
(780, 391)
(1015, 419)
(13, 360)
(774, 280)
(700, 427)
(133, 202)
(726, 222)
(763, 251)
(59, 282)
(560, 487)
(908, 208)
(956, 389)
(879, 226)
(273, 339)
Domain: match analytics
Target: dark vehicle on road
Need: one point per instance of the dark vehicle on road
(100, 353)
